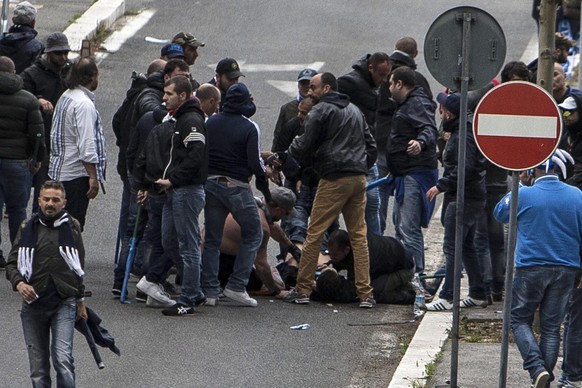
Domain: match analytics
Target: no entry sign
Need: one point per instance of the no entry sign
(517, 125)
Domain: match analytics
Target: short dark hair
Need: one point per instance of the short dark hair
(404, 74)
(515, 68)
(329, 79)
(339, 238)
(408, 45)
(6, 65)
(174, 64)
(181, 85)
(82, 72)
(378, 58)
(55, 185)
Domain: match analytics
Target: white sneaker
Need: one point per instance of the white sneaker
(151, 302)
(240, 297)
(439, 305)
(212, 302)
(469, 302)
(155, 291)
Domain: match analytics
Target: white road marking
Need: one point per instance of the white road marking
(287, 87)
(517, 126)
(531, 51)
(133, 24)
(271, 67)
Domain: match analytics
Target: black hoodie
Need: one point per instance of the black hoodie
(20, 45)
(359, 86)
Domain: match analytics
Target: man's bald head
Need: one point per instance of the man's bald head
(209, 97)
(156, 65)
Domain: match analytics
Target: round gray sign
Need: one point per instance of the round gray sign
(443, 47)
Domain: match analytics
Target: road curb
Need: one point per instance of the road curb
(426, 344)
(102, 15)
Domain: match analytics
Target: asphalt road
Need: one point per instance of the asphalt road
(232, 346)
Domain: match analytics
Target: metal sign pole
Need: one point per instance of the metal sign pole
(508, 278)
(466, 19)
(4, 16)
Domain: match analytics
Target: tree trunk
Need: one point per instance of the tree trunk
(546, 45)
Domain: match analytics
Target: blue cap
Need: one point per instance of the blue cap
(172, 50)
(450, 101)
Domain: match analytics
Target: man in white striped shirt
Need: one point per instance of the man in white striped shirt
(78, 156)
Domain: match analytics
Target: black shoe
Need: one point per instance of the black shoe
(497, 296)
(2, 263)
(169, 288)
(179, 310)
(200, 302)
(116, 291)
(141, 296)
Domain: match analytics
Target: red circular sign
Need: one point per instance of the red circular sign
(517, 125)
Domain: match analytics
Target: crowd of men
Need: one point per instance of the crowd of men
(187, 149)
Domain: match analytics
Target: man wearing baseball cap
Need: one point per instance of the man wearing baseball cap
(171, 51)
(290, 109)
(190, 46)
(20, 43)
(227, 74)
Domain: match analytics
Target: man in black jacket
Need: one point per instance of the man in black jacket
(45, 266)
(361, 86)
(391, 269)
(183, 181)
(343, 150)
(22, 145)
(412, 160)
(46, 80)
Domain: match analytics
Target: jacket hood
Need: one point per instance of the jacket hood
(159, 113)
(156, 80)
(400, 58)
(361, 66)
(16, 37)
(138, 83)
(337, 99)
(10, 83)
(238, 100)
(418, 91)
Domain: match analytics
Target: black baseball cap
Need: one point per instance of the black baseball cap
(229, 67)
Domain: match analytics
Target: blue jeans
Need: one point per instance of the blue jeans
(572, 366)
(127, 234)
(296, 225)
(158, 259)
(548, 288)
(50, 333)
(383, 190)
(472, 213)
(180, 219)
(15, 184)
(373, 203)
(407, 221)
(223, 198)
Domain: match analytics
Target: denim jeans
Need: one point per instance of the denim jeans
(50, 333)
(383, 190)
(407, 221)
(548, 288)
(373, 203)
(472, 212)
(15, 183)
(223, 198)
(180, 218)
(296, 225)
(127, 234)
(572, 366)
(157, 258)
(490, 243)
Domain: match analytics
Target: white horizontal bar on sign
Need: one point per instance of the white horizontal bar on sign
(517, 126)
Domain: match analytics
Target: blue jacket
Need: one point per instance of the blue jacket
(549, 223)
(20, 45)
(233, 139)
